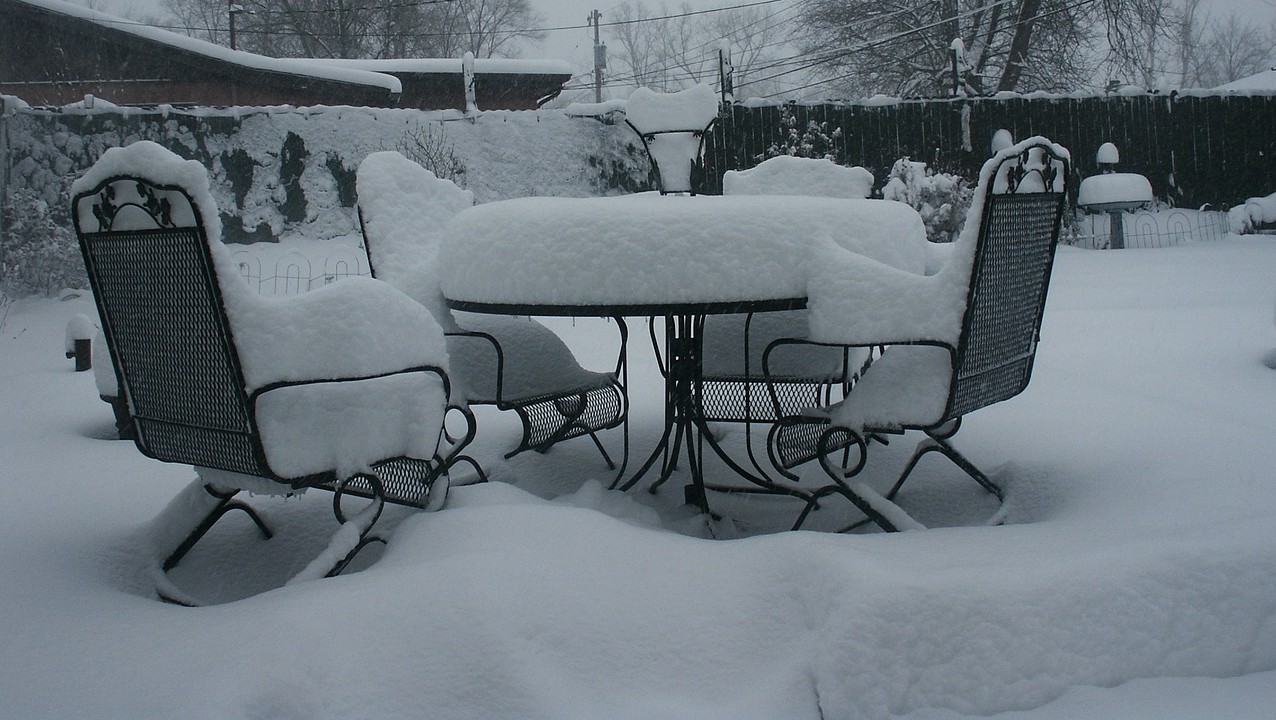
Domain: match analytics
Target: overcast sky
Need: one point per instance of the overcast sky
(569, 37)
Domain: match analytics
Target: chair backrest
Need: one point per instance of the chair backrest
(403, 208)
(672, 127)
(153, 279)
(1023, 201)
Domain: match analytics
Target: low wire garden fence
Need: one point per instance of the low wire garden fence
(1149, 228)
(294, 272)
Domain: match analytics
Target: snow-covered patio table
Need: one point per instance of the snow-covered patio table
(677, 257)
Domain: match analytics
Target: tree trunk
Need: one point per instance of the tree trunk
(1019, 45)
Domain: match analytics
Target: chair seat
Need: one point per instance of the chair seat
(537, 362)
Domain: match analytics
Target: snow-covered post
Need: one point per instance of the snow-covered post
(1001, 140)
(957, 58)
(79, 341)
(467, 73)
(726, 76)
(1107, 157)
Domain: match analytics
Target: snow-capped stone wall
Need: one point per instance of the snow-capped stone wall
(283, 172)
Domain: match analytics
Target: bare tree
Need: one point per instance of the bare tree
(902, 47)
(490, 28)
(363, 28)
(669, 49)
(1233, 48)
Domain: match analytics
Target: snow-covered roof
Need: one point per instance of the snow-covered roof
(482, 66)
(1265, 80)
(194, 46)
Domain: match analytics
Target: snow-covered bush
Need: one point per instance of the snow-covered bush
(813, 141)
(1255, 214)
(940, 198)
(38, 251)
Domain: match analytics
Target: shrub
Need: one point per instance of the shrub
(431, 150)
(814, 141)
(942, 200)
(38, 251)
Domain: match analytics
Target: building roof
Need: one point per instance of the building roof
(76, 50)
(1265, 80)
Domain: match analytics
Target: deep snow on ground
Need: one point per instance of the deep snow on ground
(1140, 553)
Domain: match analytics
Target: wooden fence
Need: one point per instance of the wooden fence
(1196, 150)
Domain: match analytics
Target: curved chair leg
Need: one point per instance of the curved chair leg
(881, 510)
(218, 503)
(190, 516)
(454, 455)
(941, 445)
(354, 534)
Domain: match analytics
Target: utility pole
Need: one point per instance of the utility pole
(600, 57)
(234, 9)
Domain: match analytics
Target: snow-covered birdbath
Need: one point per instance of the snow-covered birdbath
(672, 128)
(1113, 193)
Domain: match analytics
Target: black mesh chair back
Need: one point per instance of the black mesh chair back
(1015, 252)
(161, 309)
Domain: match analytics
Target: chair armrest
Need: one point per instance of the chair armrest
(479, 365)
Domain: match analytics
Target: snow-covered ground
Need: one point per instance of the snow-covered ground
(1135, 579)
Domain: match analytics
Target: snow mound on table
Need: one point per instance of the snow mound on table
(788, 175)
(664, 249)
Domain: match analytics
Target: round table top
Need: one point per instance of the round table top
(631, 309)
(650, 254)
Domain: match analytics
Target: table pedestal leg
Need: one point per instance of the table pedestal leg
(685, 426)
(1116, 231)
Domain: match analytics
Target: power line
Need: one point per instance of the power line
(1054, 11)
(832, 55)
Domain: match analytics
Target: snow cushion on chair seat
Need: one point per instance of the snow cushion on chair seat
(349, 425)
(906, 387)
(537, 361)
(353, 328)
(356, 328)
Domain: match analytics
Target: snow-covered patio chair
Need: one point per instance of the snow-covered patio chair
(672, 127)
(733, 388)
(955, 341)
(343, 388)
(512, 363)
